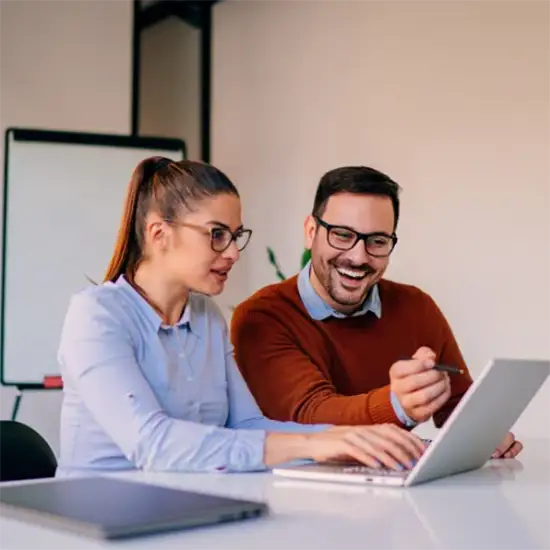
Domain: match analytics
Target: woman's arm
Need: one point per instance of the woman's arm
(97, 357)
(244, 412)
(384, 444)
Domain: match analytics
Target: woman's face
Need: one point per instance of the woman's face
(194, 250)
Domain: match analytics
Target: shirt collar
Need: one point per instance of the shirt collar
(152, 316)
(318, 309)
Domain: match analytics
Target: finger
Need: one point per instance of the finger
(374, 446)
(359, 451)
(427, 411)
(516, 448)
(421, 380)
(404, 368)
(414, 444)
(425, 396)
(390, 450)
(424, 352)
(504, 446)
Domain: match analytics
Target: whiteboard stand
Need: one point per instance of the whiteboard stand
(63, 201)
(16, 404)
(49, 383)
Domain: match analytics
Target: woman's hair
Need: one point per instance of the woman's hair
(167, 187)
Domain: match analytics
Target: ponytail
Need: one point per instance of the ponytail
(168, 187)
(127, 250)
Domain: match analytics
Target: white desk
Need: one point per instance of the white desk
(506, 505)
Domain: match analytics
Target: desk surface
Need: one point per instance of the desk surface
(505, 505)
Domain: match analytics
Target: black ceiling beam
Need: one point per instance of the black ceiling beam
(191, 11)
(206, 78)
(197, 13)
(155, 13)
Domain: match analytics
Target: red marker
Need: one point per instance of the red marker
(53, 382)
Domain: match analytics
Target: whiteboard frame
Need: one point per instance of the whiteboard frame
(36, 135)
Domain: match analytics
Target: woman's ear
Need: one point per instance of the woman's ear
(157, 233)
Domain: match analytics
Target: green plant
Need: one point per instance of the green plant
(306, 255)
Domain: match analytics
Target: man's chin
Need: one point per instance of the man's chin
(350, 299)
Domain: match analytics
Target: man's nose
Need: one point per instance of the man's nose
(358, 254)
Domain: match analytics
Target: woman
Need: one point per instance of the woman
(149, 377)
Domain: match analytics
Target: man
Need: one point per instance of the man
(338, 343)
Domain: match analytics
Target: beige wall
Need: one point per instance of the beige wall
(451, 98)
(170, 83)
(64, 65)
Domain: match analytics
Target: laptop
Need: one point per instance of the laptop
(480, 421)
(108, 508)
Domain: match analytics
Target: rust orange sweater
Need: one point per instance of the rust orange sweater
(337, 370)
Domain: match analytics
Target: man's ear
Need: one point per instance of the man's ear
(310, 228)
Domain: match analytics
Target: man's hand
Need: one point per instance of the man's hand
(421, 391)
(509, 448)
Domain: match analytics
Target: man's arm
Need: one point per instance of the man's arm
(288, 385)
(443, 342)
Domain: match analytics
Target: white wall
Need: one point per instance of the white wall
(64, 65)
(170, 83)
(451, 98)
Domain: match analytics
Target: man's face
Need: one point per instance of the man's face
(343, 278)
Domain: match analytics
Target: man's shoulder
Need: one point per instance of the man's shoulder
(402, 299)
(273, 298)
(391, 290)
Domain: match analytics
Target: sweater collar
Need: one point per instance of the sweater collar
(319, 310)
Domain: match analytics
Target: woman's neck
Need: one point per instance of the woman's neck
(168, 299)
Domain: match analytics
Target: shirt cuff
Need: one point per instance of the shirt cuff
(247, 453)
(400, 413)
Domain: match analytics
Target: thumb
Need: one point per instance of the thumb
(423, 353)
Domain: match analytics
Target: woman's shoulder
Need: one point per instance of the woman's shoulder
(105, 298)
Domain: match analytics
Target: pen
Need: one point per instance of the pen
(443, 368)
(446, 368)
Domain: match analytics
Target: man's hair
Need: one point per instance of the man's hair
(360, 180)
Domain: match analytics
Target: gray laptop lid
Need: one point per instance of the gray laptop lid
(109, 508)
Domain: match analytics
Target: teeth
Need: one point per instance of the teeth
(351, 273)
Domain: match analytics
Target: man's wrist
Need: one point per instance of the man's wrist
(400, 412)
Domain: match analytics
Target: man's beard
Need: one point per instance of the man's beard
(332, 282)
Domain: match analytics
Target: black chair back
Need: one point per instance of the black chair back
(24, 453)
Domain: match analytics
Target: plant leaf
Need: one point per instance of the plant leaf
(306, 256)
(274, 263)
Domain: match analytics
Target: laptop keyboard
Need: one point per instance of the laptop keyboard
(372, 471)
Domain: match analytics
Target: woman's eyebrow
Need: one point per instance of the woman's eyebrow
(223, 225)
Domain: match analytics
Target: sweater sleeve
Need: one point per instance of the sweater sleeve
(289, 385)
(442, 340)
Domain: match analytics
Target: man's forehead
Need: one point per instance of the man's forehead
(347, 205)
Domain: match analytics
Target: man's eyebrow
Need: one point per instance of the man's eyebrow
(223, 225)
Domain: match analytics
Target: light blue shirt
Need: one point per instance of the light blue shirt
(318, 309)
(139, 394)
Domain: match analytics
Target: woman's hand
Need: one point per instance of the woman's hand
(375, 446)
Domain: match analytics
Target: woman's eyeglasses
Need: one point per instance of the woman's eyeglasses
(222, 237)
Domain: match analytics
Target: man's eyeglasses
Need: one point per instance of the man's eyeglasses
(221, 237)
(378, 245)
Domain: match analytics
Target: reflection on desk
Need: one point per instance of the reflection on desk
(505, 505)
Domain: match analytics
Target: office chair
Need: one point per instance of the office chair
(24, 453)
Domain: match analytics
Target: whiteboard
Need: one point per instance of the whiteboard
(63, 201)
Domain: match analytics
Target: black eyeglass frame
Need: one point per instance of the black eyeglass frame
(358, 237)
(210, 231)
